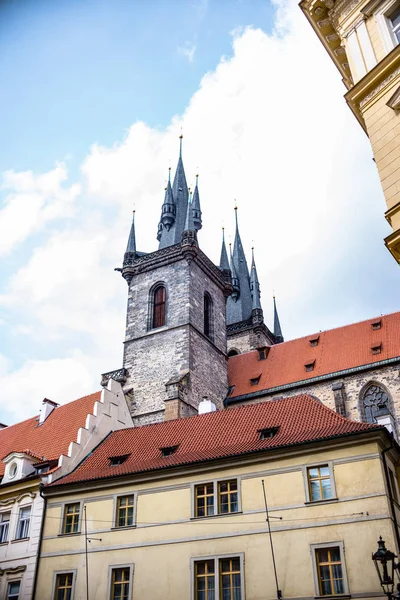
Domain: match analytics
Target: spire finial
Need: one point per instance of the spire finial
(180, 144)
(223, 261)
(169, 174)
(277, 325)
(236, 214)
(252, 256)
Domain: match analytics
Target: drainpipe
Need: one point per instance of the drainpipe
(392, 506)
(41, 486)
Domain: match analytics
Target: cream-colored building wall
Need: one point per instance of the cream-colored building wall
(166, 538)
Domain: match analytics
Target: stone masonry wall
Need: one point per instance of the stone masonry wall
(154, 357)
(353, 384)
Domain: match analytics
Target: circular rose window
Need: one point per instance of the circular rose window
(13, 470)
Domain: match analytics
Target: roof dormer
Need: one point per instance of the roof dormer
(19, 465)
(47, 408)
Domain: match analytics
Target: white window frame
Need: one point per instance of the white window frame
(25, 537)
(382, 18)
(340, 545)
(305, 468)
(115, 508)
(64, 505)
(13, 596)
(5, 525)
(111, 568)
(216, 558)
(64, 572)
(215, 483)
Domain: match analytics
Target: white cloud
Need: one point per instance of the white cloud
(188, 50)
(269, 128)
(32, 201)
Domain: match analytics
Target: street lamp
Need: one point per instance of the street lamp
(385, 567)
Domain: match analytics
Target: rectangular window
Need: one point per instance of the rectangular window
(125, 511)
(71, 518)
(329, 571)
(395, 23)
(393, 486)
(319, 483)
(24, 518)
(216, 498)
(13, 590)
(218, 578)
(4, 525)
(120, 583)
(63, 587)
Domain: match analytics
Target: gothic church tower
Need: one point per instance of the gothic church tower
(175, 349)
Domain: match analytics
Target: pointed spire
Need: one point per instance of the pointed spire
(180, 194)
(277, 325)
(254, 284)
(131, 246)
(196, 206)
(180, 144)
(189, 222)
(223, 261)
(240, 308)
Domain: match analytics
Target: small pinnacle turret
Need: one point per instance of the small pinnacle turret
(277, 325)
(196, 206)
(239, 309)
(223, 261)
(235, 280)
(254, 285)
(130, 253)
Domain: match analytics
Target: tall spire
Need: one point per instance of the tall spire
(254, 284)
(180, 193)
(131, 246)
(240, 309)
(277, 325)
(223, 261)
(196, 206)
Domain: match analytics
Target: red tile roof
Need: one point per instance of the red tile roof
(52, 438)
(337, 350)
(214, 435)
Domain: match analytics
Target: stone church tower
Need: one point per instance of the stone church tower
(175, 349)
(181, 311)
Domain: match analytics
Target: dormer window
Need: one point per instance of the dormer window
(255, 380)
(309, 366)
(268, 433)
(118, 460)
(376, 325)
(168, 450)
(314, 341)
(13, 470)
(376, 349)
(263, 353)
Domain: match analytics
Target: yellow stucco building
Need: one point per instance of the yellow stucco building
(362, 38)
(176, 510)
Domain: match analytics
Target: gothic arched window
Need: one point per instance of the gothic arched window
(208, 316)
(159, 300)
(374, 400)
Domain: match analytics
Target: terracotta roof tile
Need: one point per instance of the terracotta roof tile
(337, 350)
(52, 438)
(214, 435)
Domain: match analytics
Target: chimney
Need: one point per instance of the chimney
(47, 408)
(206, 406)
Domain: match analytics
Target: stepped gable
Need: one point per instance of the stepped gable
(215, 435)
(53, 437)
(336, 350)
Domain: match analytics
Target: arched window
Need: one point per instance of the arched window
(159, 295)
(374, 400)
(208, 329)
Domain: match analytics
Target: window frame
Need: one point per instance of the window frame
(115, 510)
(5, 512)
(217, 575)
(17, 537)
(383, 19)
(63, 572)
(322, 546)
(152, 306)
(215, 483)
(111, 568)
(62, 521)
(10, 582)
(305, 468)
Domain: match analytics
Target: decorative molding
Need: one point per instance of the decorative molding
(378, 88)
(13, 570)
(17, 499)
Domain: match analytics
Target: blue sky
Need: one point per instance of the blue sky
(93, 100)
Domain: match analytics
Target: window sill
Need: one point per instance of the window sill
(19, 540)
(4, 543)
(69, 534)
(232, 514)
(327, 501)
(332, 596)
(123, 527)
